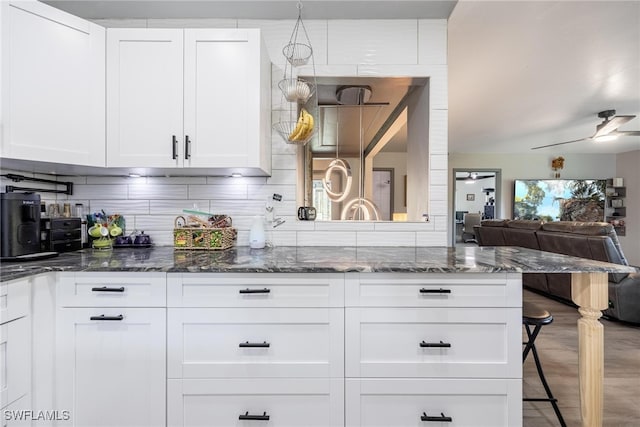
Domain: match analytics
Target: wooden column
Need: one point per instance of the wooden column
(589, 291)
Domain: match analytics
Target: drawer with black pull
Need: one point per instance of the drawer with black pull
(255, 290)
(111, 289)
(432, 290)
(274, 402)
(255, 342)
(433, 402)
(432, 342)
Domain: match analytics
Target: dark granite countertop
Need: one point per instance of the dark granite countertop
(314, 260)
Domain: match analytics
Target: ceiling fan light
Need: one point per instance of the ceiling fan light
(605, 138)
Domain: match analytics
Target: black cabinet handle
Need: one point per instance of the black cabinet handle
(103, 317)
(435, 291)
(248, 344)
(174, 142)
(435, 344)
(105, 289)
(441, 419)
(187, 147)
(246, 416)
(255, 291)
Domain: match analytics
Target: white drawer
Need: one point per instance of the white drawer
(256, 342)
(255, 290)
(111, 289)
(403, 403)
(433, 290)
(15, 360)
(287, 402)
(433, 342)
(14, 299)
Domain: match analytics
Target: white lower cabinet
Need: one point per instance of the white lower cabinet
(256, 402)
(111, 366)
(433, 402)
(15, 360)
(17, 414)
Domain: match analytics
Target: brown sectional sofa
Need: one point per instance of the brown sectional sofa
(593, 240)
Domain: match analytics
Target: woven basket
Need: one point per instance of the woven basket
(211, 239)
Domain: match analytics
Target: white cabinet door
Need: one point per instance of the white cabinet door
(436, 402)
(223, 97)
(15, 360)
(144, 97)
(256, 402)
(53, 88)
(112, 372)
(255, 342)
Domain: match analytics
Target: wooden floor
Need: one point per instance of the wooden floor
(557, 346)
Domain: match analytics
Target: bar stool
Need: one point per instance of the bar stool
(537, 317)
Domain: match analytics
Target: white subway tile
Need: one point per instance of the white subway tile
(432, 41)
(332, 70)
(373, 41)
(286, 208)
(403, 226)
(168, 180)
(438, 83)
(438, 132)
(146, 191)
(326, 238)
(154, 222)
(385, 238)
(192, 23)
(124, 207)
(97, 179)
(175, 207)
(226, 180)
(438, 207)
(395, 70)
(235, 208)
(73, 179)
(277, 33)
(284, 238)
(95, 191)
(283, 177)
(439, 161)
(261, 192)
(322, 226)
(293, 224)
(434, 238)
(438, 177)
(441, 222)
(223, 192)
(284, 161)
(438, 192)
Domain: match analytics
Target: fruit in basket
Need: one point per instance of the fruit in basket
(304, 127)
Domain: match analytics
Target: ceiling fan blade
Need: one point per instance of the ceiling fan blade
(611, 125)
(628, 133)
(559, 143)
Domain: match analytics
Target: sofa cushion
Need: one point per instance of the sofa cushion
(575, 227)
(526, 224)
(494, 222)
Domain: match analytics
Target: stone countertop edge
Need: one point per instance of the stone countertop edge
(313, 260)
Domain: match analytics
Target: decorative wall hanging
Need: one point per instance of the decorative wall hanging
(557, 164)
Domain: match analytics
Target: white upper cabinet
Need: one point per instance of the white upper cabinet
(144, 97)
(197, 98)
(53, 86)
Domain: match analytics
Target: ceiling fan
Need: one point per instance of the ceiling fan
(473, 176)
(605, 131)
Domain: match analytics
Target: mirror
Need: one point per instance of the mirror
(369, 159)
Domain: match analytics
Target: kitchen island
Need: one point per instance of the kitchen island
(382, 277)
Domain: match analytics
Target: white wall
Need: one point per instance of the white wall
(627, 167)
(475, 188)
(397, 162)
(412, 47)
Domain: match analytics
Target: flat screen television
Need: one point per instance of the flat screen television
(559, 199)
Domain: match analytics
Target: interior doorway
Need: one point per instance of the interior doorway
(383, 192)
(475, 191)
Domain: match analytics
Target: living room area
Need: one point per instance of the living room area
(527, 82)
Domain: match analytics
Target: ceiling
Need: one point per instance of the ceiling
(521, 73)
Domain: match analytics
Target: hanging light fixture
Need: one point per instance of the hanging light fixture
(299, 127)
(341, 166)
(360, 208)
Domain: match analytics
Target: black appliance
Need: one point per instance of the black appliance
(19, 224)
(61, 234)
